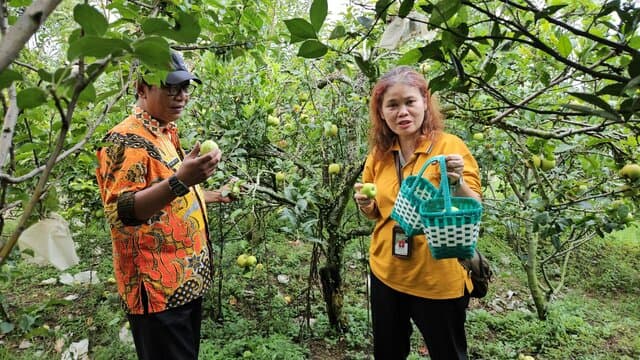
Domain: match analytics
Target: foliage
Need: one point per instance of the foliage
(554, 83)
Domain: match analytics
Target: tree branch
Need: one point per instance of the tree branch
(18, 35)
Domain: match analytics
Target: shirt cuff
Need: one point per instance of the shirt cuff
(126, 209)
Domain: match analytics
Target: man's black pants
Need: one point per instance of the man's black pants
(441, 323)
(171, 334)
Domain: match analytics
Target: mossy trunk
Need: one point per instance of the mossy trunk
(331, 279)
(532, 280)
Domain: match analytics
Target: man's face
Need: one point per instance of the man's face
(164, 103)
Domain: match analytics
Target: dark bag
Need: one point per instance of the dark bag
(480, 272)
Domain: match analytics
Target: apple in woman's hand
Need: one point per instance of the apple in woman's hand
(369, 189)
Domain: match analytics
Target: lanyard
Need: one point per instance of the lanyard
(396, 158)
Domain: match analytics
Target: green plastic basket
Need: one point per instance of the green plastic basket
(450, 233)
(414, 190)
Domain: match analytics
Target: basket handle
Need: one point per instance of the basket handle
(438, 158)
(444, 184)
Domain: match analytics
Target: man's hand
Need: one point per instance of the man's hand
(195, 169)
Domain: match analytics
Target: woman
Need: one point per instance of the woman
(407, 283)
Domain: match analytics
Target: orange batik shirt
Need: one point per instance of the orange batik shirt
(166, 256)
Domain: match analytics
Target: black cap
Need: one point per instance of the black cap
(180, 73)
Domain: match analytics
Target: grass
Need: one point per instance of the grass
(594, 317)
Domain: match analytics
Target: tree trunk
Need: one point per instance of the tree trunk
(332, 293)
(532, 280)
(331, 279)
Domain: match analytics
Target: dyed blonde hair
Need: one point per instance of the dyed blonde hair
(381, 138)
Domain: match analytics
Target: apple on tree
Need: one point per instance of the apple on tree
(280, 176)
(334, 168)
(478, 136)
(273, 120)
(631, 171)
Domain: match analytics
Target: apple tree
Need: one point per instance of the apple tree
(552, 88)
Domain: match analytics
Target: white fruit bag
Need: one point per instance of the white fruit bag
(50, 239)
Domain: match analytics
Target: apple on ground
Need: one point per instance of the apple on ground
(251, 260)
(369, 189)
(334, 168)
(280, 176)
(208, 146)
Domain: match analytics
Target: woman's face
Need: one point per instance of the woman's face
(403, 109)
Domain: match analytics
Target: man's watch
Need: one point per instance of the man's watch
(178, 187)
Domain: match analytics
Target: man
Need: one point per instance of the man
(157, 215)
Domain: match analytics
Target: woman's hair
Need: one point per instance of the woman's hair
(381, 138)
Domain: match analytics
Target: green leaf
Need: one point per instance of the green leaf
(593, 99)
(312, 49)
(548, 11)
(90, 19)
(591, 111)
(31, 97)
(338, 32)
(634, 66)
(564, 46)
(366, 67)
(433, 51)
(96, 46)
(410, 57)
(88, 94)
(405, 8)
(300, 30)
(490, 70)
(318, 13)
(615, 89)
(186, 29)
(443, 11)
(632, 84)
(153, 51)
(6, 327)
(7, 76)
(155, 26)
(382, 6)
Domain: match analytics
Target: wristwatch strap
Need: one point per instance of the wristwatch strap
(178, 187)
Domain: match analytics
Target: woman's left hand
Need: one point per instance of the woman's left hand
(455, 167)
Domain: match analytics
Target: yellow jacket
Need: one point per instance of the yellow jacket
(420, 275)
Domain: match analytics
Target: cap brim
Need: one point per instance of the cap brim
(180, 76)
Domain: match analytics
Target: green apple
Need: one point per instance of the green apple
(208, 146)
(478, 136)
(330, 129)
(453, 209)
(280, 176)
(535, 159)
(334, 168)
(259, 267)
(369, 189)
(273, 120)
(547, 164)
(242, 260)
(631, 171)
(251, 260)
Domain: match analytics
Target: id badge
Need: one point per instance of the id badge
(401, 243)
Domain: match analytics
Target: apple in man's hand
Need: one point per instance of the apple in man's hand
(208, 146)
(369, 189)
